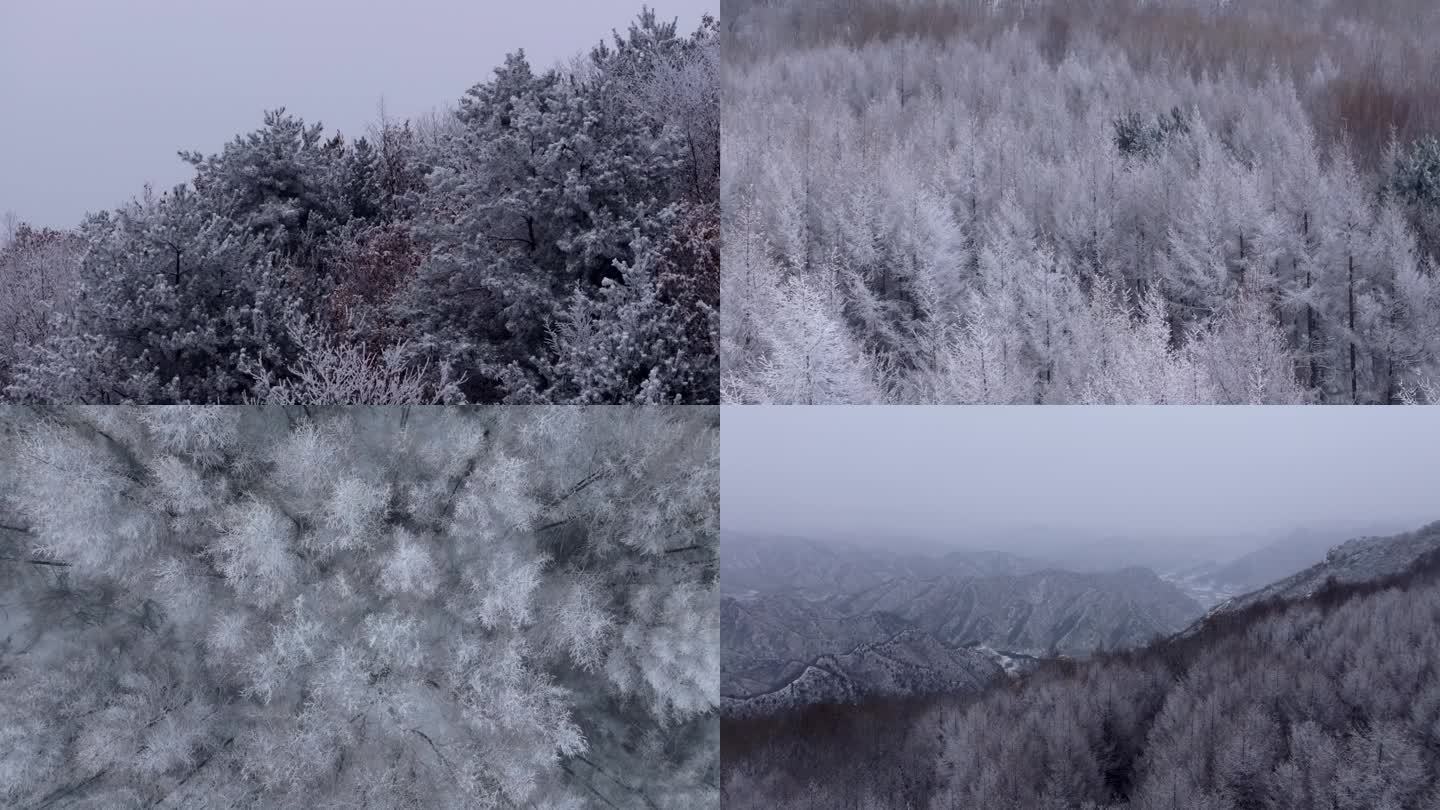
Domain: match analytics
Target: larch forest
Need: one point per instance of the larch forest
(1103, 201)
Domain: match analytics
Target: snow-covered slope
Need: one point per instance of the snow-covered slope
(910, 635)
(910, 663)
(1211, 583)
(1358, 560)
(1037, 613)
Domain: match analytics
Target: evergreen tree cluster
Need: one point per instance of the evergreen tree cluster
(327, 607)
(554, 240)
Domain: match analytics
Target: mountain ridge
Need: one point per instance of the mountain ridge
(910, 634)
(907, 634)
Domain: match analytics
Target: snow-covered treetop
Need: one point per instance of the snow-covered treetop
(333, 606)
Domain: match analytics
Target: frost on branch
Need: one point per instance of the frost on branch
(334, 607)
(669, 654)
(408, 567)
(991, 201)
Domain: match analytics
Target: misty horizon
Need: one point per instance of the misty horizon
(1037, 480)
(1054, 543)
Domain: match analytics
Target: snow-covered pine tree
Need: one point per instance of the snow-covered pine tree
(554, 240)
(558, 185)
(169, 295)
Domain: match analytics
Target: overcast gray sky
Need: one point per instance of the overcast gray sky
(946, 472)
(96, 96)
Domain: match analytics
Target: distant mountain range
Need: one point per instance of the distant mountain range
(1358, 560)
(1211, 583)
(801, 566)
(805, 622)
(909, 663)
(1316, 690)
(768, 640)
(1048, 612)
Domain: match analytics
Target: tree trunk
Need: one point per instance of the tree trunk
(1351, 292)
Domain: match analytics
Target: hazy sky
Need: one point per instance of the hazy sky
(946, 472)
(97, 96)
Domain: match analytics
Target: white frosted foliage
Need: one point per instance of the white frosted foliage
(335, 606)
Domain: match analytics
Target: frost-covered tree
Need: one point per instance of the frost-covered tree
(553, 240)
(1134, 360)
(812, 359)
(170, 294)
(564, 185)
(289, 185)
(331, 371)
(39, 271)
(1057, 158)
(1415, 177)
(335, 607)
(1243, 353)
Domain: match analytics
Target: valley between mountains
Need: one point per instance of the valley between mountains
(805, 622)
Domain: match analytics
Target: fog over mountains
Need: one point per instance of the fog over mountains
(871, 552)
(1097, 608)
(1213, 582)
(1316, 690)
(1362, 559)
(764, 563)
(806, 621)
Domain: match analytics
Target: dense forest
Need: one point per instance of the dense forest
(1099, 201)
(325, 607)
(1322, 702)
(552, 239)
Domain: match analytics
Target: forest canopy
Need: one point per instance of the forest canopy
(332, 607)
(552, 239)
(1105, 201)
